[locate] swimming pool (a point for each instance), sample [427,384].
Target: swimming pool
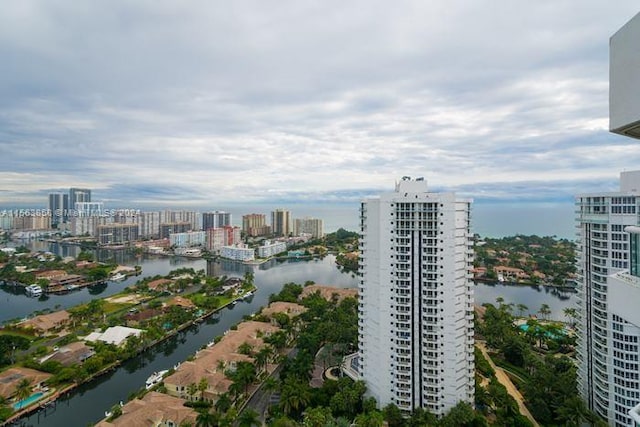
[28,401]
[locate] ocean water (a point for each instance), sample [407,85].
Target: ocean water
[487,219]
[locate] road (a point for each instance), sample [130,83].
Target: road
[504,379]
[260,400]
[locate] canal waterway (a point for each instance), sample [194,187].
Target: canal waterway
[87,403]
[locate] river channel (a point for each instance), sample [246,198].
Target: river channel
[87,404]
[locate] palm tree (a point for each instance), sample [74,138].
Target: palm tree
[295,396]
[544,311]
[572,314]
[572,412]
[262,358]
[96,307]
[248,278]
[245,348]
[207,419]
[23,390]
[203,385]
[191,390]
[521,309]
[245,374]
[223,403]
[248,418]
[236,390]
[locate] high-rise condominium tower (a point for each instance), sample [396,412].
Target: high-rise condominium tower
[58,205]
[416,298]
[608,282]
[216,219]
[608,351]
[78,195]
[281,222]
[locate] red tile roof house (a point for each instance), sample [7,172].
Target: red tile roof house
[10,379]
[159,285]
[327,292]
[291,309]
[154,409]
[47,323]
[181,302]
[212,362]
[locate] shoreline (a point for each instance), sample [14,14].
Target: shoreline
[41,404]
[529,284]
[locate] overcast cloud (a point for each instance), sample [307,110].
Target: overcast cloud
[202,102]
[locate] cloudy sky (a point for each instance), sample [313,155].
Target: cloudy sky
[203,102]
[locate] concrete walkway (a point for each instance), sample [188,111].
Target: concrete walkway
[504,379]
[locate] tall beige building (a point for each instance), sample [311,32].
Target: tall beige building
[281,222]
[313,226]
[255,225]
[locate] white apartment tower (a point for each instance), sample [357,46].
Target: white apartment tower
[416,299]
[609,279]
[607,337]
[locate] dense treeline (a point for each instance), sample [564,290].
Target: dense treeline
[546,379]
[553,258]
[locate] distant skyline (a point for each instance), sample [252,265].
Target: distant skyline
[192,104]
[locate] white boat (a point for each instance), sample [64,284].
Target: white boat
[33,290]
[248,295]
[117,277]
[155,378]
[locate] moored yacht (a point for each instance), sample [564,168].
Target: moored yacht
[33,290]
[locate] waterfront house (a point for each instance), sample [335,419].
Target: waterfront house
[291,309]
[159,285]
[181,302]
[47,323]
[71,354]
[510,274]
[327,292]
[154,409]
[211,363]
[135,317]
[10,379]
[114,335]
[50,274]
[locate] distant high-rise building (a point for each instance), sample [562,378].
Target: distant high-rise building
[85,225]
[149,224]
[84,209]
[219,237]
[192,217]
[281,222]
[31,222]
[608,334]
[255,225]
[116,234]
[416,345]
[188,239]
[312,226]
[174,227]
[215,219]
[59,207]
[78,195]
